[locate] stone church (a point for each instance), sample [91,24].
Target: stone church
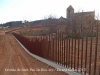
[70,14]
[79,21]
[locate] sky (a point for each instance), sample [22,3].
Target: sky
[30,10]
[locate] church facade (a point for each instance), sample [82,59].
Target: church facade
[70,14]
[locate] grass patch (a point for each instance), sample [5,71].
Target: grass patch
[76,36]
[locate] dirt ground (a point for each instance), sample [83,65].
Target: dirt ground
[15,61]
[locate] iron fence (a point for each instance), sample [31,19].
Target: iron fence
[79,51]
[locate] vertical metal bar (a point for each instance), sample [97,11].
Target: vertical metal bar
[53,54]
[49,47]
[86,52]
[41,46]
[75,54]
[62,52]
[69,53]
[82,49]
[45,47]
[91,32]
[67,49]
[78,50]
[43,43]
[56,49]
[72,52]
[37,51]
[96,48]
[60,48]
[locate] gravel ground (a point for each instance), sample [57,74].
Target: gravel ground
[15,61]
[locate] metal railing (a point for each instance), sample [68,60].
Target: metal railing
[76,50]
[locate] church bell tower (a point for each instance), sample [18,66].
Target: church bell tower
[70,11]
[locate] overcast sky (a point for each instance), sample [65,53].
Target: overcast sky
[16,10]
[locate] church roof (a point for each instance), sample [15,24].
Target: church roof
[70,7]
[84,13]
[62,18]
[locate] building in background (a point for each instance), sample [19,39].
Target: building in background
[70,14]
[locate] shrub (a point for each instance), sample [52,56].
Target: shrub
[76,36]
[92,35]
